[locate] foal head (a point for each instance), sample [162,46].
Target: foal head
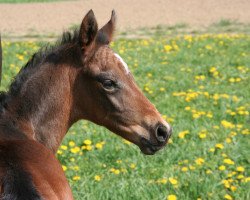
[106,93]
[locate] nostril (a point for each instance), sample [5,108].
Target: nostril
[162,133]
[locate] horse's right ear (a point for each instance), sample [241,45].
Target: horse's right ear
[88,30]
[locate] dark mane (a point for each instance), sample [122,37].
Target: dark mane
[49,53]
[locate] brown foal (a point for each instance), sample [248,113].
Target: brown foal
[79,78]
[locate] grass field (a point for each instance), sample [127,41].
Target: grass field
[200,84]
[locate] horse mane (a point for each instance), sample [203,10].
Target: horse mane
[1,56]
[48,53]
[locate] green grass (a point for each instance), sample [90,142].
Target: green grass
[201,85]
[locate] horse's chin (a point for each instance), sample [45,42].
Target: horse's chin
[148,148]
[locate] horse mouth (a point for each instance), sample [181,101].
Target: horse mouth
[148,148]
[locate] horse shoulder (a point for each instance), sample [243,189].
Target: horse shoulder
[38,170]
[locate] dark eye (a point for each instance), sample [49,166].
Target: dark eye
[109,85]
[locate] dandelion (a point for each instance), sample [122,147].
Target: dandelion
[228,140]
[227,124]
[59,152]
[199,161]
[97,178]
[219,146]
[226,183]
[76,178]
[72,143]
[184,169]
[99,145]
[200,77]
[168,48]
[241,176]
[126,142]
[64,147]
[188,108]
[172,197]
[87,142]
[182,134]
[75,150]
[228,161]
[202,135]
[173,181]
[64,168]
[222,168]
[208,47]
[162,181]
[162,89]
[233,188]
[228,197]
[132,166]
[240,169]
[88,148]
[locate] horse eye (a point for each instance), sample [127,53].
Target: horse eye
[108,84]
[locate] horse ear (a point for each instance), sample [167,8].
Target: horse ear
[88,30]
[105,34]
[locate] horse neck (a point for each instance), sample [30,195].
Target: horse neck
[42,109]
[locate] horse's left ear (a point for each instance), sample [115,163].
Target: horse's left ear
[105,34]
[88,30]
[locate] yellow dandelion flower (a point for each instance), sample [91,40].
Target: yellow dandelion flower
[191,167]
[187,108]
[76,178]
[182,134]
[173,181]
[184,169]
[75,150]
[233,188]
[168,48]
[162,89]
[247,179]
[59,152]
[72,143]
[132,166]
[228,140]
[88,148]
[99,145]
[171,197]
[240,169]
[64,147]
[245,132]
[228,197]
[76,168]
[97,178]
[226,183]
[241,176]
[222,168]
[228,161]
[208,47]
[87,142]
[64,168]
[227,124]
[202,135]
[219,146]
[162,181]
[199,161]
